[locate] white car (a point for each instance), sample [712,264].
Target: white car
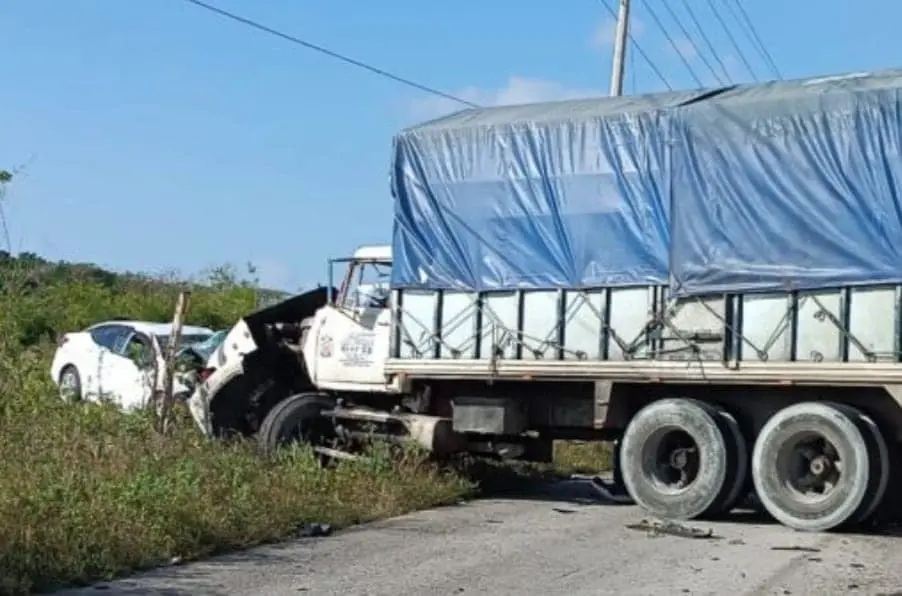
[118,360]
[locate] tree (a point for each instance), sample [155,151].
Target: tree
[5,178]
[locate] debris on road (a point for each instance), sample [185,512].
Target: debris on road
[315,530]
[801,549]
[666,528]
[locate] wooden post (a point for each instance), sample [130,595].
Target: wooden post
[178,320]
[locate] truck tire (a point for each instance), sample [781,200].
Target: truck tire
[880,466]
[680,460]
[797,450]
[296,419]
[616,469]
[740,474]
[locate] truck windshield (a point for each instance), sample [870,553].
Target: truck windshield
[369,285]
[371,295]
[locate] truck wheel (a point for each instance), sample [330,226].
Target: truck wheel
[616,469]
[297,419]
[811,466]
[680,460]
[739,474]
[880,466]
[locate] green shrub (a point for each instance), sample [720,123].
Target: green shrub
[90,493]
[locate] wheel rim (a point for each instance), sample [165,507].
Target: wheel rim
[313,431]
[671,460]
[69,386]
[809,467]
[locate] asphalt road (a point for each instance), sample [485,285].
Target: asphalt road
[562,541]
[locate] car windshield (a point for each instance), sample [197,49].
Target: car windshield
[206,348]
[184,340]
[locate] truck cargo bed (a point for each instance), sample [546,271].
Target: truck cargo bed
[836,336]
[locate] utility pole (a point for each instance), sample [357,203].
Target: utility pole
[621,35]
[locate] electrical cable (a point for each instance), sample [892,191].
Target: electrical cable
[673,43]
[688,36]
[639,49]
[732,39]
[749,27]
[332,54]
[707,40]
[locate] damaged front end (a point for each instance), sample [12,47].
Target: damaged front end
[191,362]
[258,363]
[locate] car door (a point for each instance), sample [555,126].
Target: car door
[93,362]
[130,371]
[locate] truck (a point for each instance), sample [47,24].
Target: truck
[710,279]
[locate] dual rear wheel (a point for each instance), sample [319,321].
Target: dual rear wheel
[818,466]
[682,458]
[815,466]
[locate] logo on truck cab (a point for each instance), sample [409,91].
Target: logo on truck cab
[326,346]
[357,349]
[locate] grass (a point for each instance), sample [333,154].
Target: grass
[574,457]
[89,493]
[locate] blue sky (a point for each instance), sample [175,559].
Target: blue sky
[160,137]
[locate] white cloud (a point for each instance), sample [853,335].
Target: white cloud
[522,89]
[603,37]
[604,34]
[517,90]
[685,47]
[735,68]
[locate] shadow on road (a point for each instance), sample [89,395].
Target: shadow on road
[564,496]
[529,484]
[201,577]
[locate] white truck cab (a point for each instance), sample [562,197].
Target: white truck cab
[292,370]
[329,340]
[348,342]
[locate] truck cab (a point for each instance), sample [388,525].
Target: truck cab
[331,340]
[349,338]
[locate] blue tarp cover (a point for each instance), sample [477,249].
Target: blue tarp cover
[791,185]
[565,194]
[755,188]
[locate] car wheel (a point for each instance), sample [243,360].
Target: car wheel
[70,385]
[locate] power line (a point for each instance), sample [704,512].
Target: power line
[732,39]
[707,40]
[688,36]
[673,43]
[332,54]
[632,68]
[639,49]
[751,31]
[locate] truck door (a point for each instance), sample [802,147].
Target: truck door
[353,333]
